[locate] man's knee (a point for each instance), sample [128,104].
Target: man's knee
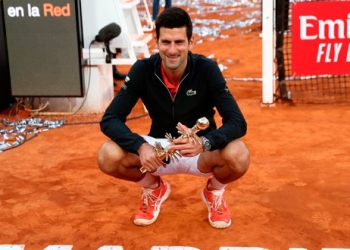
[238,155]
[108,157]
[243,153]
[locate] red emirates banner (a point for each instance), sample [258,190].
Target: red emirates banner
[320,38]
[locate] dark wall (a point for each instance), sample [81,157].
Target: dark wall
[5,83]
[44,47]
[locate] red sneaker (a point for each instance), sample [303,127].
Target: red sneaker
[152,199]
[219,216]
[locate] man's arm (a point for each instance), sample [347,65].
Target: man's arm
[234,125]
[113,121]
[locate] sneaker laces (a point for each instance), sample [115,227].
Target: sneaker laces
[218,203]
[148,198]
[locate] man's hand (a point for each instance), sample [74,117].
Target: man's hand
[187,147]
[148,158]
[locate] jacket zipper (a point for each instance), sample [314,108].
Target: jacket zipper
[172,99]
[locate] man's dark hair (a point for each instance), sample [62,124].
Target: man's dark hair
[174,17]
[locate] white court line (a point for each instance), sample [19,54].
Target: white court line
[173,248]
[106,247]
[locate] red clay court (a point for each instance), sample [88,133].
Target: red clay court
[295,194]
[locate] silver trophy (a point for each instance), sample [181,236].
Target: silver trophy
[165,153]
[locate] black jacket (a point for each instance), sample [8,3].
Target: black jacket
[202,91]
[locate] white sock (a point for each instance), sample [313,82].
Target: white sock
[149,181]
[214,184]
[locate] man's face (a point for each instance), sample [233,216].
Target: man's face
[173,47]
